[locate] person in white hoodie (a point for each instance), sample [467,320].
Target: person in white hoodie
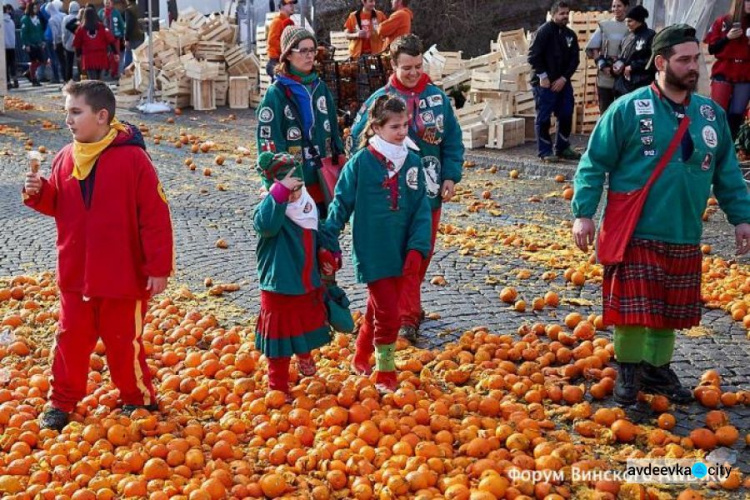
[10,46]
[69,26]
[55,26]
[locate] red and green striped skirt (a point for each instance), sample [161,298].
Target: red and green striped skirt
[658,285]
[291,324]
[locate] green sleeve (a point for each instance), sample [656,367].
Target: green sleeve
[342,206]
[120,24]
[729,185]
[269,217]
[420,228]
[335,132]
[277,140]
[452,146]
[600,158]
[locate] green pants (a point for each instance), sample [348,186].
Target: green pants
[634,344]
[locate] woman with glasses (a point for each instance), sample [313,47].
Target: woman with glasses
[298,114]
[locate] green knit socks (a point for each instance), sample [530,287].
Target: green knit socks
[385,359]
[634,344]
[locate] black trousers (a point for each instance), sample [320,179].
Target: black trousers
[10,64]
[70,59]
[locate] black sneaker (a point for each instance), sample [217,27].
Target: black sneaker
[54,418]
[663,380]
[128,410]
[628,383]
[409,333]
[550,158]
[36,83]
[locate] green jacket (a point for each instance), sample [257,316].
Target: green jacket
[381,235]
[287,254]
[627,143]
[278,130]
[118,23]
[440,145]
[31,32]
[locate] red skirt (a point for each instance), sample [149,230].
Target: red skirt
[291,324]
[658,285]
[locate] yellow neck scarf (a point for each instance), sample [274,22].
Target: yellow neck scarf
[85,154]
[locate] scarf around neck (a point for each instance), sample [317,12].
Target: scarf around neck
[394,153]
[85,154]
[411,96]
[303,212]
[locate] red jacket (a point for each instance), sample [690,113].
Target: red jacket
[94,49]
[114,228]
[732,56]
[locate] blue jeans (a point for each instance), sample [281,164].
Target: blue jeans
[561,104]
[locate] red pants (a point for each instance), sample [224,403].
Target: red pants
[381,319]
[410,304]
[278,372]
[721,93]
[119,323]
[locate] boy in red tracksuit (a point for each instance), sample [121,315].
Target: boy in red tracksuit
[114,249]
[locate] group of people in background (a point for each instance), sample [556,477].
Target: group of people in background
[51,37]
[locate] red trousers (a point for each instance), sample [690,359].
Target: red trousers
[721,93]
[119,323]
[381,318]
[410,303]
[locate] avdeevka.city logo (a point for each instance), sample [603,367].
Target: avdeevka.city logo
[643,471]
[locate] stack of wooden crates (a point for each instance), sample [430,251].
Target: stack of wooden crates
[196,60]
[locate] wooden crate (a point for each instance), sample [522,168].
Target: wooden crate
[203,95]
[239,92]
[210,51]
[524,104]
[470,114]
[199,70]
[127,101]
[506,133]
[341,44]
[513,43]
[475,136]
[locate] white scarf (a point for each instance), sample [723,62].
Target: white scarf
[395,153]
[303,212]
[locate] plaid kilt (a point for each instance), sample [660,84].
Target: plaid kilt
[658,285]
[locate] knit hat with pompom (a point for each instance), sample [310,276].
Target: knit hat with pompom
[276,166]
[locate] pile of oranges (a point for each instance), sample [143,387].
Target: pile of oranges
[461,421]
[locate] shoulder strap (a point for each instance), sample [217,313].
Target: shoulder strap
[358,17]
[669,153]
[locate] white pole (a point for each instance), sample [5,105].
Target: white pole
[150,94]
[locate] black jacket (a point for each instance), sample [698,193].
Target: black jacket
[555,52]
[636,52]
[133,31]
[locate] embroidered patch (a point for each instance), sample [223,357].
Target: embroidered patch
[267,146]
[422,104]
[327,126]
[288,112]
[569,39]
[706,165]
[435,100]
[710,137]
[265,132]
[429,135]
[293,134]
[427,117]
[649,152]
[439,123]
[644,107]
[431,166]
[412,178]
[265,115]
[647,140]
[647,125]
[707,112]
[308,208]
[322,104]
[160,190]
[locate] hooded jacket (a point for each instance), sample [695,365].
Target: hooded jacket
[68,22]
[10,31]
[113,228]
[55,23]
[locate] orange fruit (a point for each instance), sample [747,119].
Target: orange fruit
[273,485]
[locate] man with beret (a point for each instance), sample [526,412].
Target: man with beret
[554,58]
[655,287]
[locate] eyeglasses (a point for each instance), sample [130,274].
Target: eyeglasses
[305,52]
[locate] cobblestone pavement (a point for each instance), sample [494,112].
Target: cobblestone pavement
[207,208]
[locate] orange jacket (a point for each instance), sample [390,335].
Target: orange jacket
[274,34]
[399,24]
[351,26]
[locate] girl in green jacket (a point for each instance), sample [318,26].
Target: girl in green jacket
[384,186]
[32,38]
